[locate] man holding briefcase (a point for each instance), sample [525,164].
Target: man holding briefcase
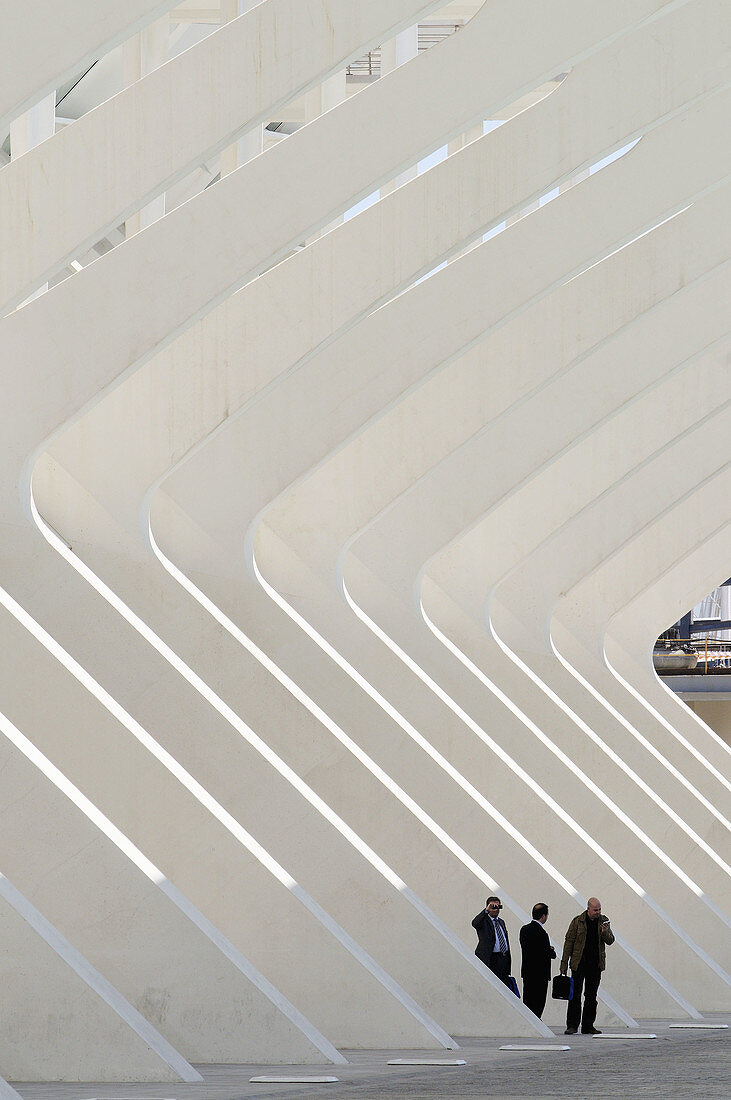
[537,953]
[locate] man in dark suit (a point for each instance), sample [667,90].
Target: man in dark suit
[535,967]
[493,945]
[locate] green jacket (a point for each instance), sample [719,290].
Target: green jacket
[573,947]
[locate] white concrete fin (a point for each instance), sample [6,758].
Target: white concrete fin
[96,981]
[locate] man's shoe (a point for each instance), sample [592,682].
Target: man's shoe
[570,1031]
[591,1031]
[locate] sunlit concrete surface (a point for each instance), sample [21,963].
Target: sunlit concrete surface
[43,46]
[327,588]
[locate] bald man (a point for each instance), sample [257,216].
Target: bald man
[584,950]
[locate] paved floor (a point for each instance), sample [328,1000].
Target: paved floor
[684,1064]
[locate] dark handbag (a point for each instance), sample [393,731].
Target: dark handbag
[563,988]
[512,984]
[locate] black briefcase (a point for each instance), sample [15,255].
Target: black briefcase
[563,988]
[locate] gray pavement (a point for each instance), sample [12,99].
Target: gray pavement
[691,1064]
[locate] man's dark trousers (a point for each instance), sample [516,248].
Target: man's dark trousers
[534,996]
[500,966]
[588,979]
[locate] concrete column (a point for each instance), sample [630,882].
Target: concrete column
[35,126]
[397,51]
[140,55]
[716,713]
[473,134]
[325,96]
[317,101]
[468,136]
[251,143]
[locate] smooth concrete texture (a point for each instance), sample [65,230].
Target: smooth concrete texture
[648,740]
[642,691]
[281,827]
[63,196]
[575,634]
[44,45]
[74,1026]
[714,713]
[377,1019]
[389,540]
[121,420]
[396,927]
[75,866]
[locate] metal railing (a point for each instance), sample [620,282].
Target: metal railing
[713,655]
[368,67]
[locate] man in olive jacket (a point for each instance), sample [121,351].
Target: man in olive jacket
[584,950]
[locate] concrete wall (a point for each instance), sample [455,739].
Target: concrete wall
[327,593]
[716,713]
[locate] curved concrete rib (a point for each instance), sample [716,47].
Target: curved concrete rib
[391,593]
[392,253]
[579,630]
[90,867]
[48,401]
[572,609]
[99,1036]
[613,746]
[42,341]
[44,45]
[62,196]
[151,340]
[675,767]
[588,386]
[508,608]
[262,421]
[627,655]
[390,543]
[354,895]
[259,416]
[410,1033]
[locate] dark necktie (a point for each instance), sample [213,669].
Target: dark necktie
[501,942]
